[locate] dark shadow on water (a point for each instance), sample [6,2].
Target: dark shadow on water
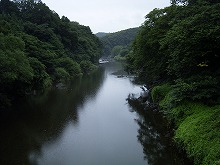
[38,120]
[155,136]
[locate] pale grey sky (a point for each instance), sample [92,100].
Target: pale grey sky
[106,15]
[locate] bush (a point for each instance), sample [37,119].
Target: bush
[198,88]
[197,124]
[159,92]
[120,58]
[198,132]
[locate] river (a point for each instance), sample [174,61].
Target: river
[87,123]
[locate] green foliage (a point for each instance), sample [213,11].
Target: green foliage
[113,41]
[197,88]
[119,58]
[16,73]
[87,67]
[197,126]
[61,75]
[38,47]
[159,92]
[14,64]
[88,46]
[199,134]
[70,66]
[180,42]
[180,45]
[41,79]
[191,43]
[101,34]
[116,50]
[148,59]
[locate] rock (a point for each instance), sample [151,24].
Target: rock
[60,86]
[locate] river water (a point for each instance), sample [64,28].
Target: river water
[87,123]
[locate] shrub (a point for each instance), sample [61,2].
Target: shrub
[199,132]
[196,88]
[197,124]
[159,92]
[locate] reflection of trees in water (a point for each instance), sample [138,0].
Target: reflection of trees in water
[154,136]
[42,119]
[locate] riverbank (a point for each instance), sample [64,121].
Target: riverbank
[88,122]
[196,125]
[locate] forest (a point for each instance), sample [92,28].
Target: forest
[177,53]
[39,48]
[117,45]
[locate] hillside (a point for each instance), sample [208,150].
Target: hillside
[39,48]
[177,53]
[114,43]
[101,34]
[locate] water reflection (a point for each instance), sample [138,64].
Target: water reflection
[88,123]
[42,119]
[155,136]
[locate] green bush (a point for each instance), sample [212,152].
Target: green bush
[159,92]
[198,88]
[197,124]
[198,132]
[120,58]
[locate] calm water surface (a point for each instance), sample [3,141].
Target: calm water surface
[87,123]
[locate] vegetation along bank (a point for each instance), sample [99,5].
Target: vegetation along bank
[39,48]
[176,52]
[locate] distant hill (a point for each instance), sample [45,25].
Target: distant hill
[101,34]
[113,43]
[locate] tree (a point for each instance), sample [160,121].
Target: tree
[70,66]
[148,57]
[192,42]
[41,79]
[116,50]
[16,73]
[38,47]
[122,38]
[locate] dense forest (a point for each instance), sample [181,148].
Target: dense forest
[118,43]
[177,54]
[38,48]
[101,34]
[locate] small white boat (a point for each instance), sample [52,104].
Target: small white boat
[101,61]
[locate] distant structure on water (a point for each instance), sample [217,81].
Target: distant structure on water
[103,61]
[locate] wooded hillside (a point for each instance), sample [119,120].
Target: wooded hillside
[177,54]
[37,47]
[117,43]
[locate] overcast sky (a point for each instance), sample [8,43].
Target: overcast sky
[106,15]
